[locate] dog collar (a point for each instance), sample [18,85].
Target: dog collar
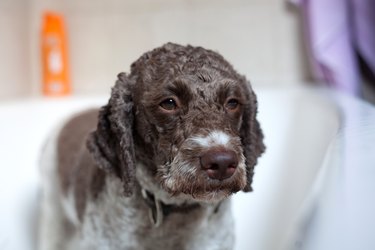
[158,210]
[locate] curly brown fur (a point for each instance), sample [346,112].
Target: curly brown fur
[202,80]
[178,108]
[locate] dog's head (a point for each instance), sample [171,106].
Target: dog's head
[189,117]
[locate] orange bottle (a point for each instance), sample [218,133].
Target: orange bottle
[56,80]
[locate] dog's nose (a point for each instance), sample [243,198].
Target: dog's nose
[219,164]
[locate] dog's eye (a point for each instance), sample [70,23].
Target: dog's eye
[232,104]
[169,104]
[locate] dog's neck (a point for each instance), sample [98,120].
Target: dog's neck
[161,203]
[159,210]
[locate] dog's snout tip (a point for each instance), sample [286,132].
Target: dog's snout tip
[219,164]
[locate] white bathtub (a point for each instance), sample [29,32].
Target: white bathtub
[314,188]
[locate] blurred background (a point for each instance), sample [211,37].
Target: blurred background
[277,44]
[270,41]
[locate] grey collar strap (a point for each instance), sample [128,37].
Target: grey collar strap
[158,210]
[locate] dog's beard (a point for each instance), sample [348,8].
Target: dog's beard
[184,177]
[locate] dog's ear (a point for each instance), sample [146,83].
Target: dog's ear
[111,144]
[251,135]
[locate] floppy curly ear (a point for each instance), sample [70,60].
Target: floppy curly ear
[251,136]
[111,144]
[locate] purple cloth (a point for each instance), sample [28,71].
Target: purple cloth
[364,30]
[336,31]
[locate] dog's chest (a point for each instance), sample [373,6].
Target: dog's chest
[124,223]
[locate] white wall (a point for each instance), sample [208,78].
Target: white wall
[14,49]
[261,38]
